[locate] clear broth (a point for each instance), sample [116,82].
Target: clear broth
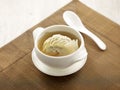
[49,34]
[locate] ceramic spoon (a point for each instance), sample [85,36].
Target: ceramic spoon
[74,21]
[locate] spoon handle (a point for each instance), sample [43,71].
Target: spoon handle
[97,40]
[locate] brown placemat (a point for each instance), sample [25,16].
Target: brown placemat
[101,71]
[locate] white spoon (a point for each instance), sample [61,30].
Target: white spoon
[74,21]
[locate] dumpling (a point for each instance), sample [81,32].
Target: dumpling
[59,45]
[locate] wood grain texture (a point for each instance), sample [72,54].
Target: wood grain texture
[101,71]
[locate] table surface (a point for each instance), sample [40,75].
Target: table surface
[101,71]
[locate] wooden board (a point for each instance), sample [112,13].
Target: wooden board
[101,71]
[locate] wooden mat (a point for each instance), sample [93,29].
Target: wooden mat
[101,71]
